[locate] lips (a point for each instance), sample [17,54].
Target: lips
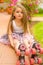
[19,16]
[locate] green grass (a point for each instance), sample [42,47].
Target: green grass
[38,15]
[37,30]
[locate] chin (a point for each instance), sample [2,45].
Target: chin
[19,18]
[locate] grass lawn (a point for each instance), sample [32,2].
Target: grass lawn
[38,15]
[37,30]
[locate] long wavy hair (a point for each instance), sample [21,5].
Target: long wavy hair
[24,19]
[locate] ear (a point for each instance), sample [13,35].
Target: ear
[13,13]
[13,16]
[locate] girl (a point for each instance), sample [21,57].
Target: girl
[18,29]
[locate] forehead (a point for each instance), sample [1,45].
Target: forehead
[18,9]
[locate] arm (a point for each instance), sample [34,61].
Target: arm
[27,44]
[28,38]
[9,34]
[13,42]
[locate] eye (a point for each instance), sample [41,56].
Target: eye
[21,12]
[17,11]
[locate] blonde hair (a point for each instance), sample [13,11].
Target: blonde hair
[24,19]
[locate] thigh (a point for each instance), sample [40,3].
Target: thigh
[7,55]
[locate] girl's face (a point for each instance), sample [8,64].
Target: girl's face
[18,13]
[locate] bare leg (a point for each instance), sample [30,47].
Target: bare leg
[7,55]
[27,59]
[36,64]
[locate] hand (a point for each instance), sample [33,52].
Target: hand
[16,43]
[25,41]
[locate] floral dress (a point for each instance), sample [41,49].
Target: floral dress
[17,33]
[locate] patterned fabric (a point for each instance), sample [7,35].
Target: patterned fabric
[4,39]
[20,36]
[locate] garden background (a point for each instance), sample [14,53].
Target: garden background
[35,16]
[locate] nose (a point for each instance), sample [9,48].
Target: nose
[19,14]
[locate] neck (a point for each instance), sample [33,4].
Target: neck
[17,20]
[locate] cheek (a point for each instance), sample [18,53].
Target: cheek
[15,14]
[22,15]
